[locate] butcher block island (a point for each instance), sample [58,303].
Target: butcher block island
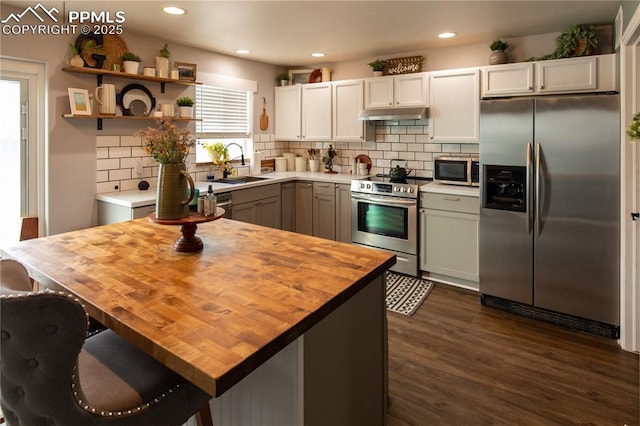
[281,328]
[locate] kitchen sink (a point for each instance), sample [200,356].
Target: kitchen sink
[240,179]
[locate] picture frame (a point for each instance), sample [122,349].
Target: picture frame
[186,71]
[299,76]
[79,101]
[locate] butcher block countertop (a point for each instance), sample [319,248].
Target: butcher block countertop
[212,316]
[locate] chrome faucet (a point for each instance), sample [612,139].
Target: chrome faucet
[241,152]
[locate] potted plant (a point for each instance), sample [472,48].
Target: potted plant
[498,54]
[378,67]
[131,62]
[283,78]
[579,40]
[219,155]
[76,59]
[185,106]
[162,62]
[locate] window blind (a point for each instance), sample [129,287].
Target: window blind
[224,113]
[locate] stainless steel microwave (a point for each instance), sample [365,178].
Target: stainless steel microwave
[457,171]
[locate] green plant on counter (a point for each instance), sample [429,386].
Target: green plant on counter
[634,128]
[282,76]
[498,45]
[219,155]
[164,52]
[129,56]
[378,65]
[185,101]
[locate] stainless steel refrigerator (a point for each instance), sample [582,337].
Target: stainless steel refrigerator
[549,217]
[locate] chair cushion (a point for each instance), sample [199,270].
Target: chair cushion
[114,375]
[14,276]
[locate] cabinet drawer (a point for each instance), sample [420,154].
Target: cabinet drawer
[323,188]
[144,211]
[256,193]
[449,202]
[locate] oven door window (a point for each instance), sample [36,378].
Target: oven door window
[389,221]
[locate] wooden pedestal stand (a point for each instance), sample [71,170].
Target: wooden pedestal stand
[188,242]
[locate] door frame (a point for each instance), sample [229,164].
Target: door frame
[630,188]
[36,74]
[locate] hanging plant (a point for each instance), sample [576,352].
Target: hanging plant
[634,128]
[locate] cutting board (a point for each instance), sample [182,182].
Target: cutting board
[264,118]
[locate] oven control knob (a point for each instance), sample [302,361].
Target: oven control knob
[410,190]
[361,185]
[368,186]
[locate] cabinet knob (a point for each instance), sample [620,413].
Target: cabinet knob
[530,87]
[541,87]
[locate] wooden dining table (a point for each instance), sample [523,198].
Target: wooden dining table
[215,315]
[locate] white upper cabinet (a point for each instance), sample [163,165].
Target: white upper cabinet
[303,112]
[378,92]
[573,75]
[410,90]
[509,79]
[578,74]
[348,100]
[288,123]
[454,105]
[316,112]
[396,91]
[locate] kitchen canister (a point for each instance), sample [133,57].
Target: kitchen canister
[281,164]
[301,164]
[291,160]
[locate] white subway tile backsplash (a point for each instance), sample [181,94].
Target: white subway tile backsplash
[130,141]
[108,164]
[107,141]
[102,153]
[119,174]
[102,176]
[119,152]
[102,187]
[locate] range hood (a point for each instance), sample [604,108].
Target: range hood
[393,114]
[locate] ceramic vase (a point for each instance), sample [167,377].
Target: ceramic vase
[175,191]
[284,82]
[162,67]
[77,61]
[377,73]
[498,57]
[185,111]
[131,67]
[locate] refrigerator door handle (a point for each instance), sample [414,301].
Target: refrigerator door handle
[537,193]
[528,189]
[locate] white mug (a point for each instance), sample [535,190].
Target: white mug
[108,99]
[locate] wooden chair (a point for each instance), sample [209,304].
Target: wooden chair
[52,373]
[28,228]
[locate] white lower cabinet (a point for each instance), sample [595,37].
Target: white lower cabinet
[449,238]
[112,213]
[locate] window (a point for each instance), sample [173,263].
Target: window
[225,115]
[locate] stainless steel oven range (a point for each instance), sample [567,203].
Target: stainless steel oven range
[384,215]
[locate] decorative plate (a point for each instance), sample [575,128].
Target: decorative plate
[136,100]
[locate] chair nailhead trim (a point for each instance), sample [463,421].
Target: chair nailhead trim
[74,390]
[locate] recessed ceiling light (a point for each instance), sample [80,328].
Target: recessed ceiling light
[243,51]
[446,35]
[172,10]
[317,55]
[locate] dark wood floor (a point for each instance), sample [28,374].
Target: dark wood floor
[456,362]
